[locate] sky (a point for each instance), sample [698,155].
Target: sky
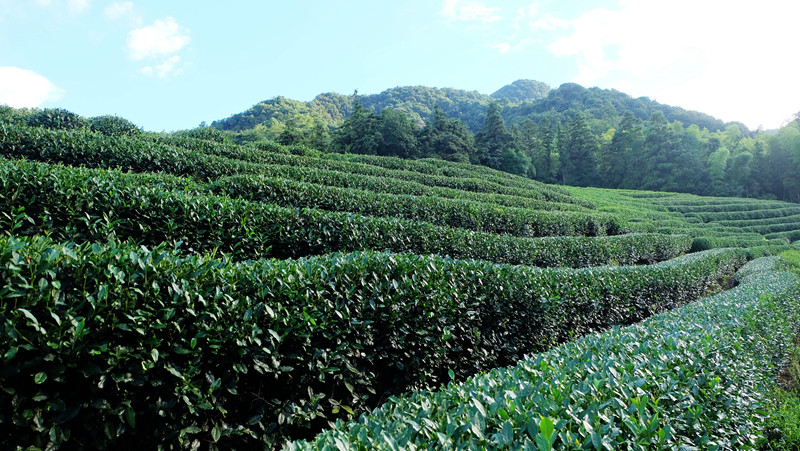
[170,65]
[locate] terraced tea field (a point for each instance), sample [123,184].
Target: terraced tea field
[159,290]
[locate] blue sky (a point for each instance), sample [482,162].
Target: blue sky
[168,65]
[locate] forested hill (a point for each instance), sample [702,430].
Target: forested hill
[330,109]
[520,100]
[603,108]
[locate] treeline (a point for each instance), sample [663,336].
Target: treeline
[656,154]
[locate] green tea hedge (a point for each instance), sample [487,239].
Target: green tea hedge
[138,154]
[121,345]
[85,204]
[692,378]
[443,211]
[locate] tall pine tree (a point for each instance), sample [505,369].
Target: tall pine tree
[493,141]
[448,139]
[617,155]
[360,133]
[578,164]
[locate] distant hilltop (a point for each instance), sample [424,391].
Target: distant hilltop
[520,100]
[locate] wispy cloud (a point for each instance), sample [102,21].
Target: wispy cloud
[503,47]
[22,88]
[75,6]
[169,68]
[159,43]
[470,11]
[123,11]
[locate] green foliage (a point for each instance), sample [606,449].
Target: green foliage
[494,140]
[577,154]
[360,133]
[111,344]
[399,137]
[208,160]
[188,337]
[77,203]
[447,139]
[522,91]
[204,133]
[113,126]
[55,119]
[14,116]
[792,259]
[782,431]
[691,377]
[701,244]
[451,212]
[631,143]
[604,105]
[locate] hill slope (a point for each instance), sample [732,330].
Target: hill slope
[182,291]
[519,100]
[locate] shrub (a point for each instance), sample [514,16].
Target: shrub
[56,119]
[691,378]
[206,133]
[700,244]
[88,204]
[113,126]
[111,345]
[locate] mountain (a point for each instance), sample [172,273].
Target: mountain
[520,100]
[604,107]
[417,102]
[523,91]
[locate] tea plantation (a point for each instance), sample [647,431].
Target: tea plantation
[161,291]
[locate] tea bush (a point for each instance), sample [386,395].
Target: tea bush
[691,378]
[109,345]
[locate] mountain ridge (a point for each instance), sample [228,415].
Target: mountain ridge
[519,100]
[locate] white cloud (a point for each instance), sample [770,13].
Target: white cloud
[21,88]
[728,58]
[78,6]
[169,68]
[503,47]
[470,11]
[75,6]
[162,38]
[122,11]
[159,44]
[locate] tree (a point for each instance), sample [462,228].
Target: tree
[717,167]
[666,165]
[545,160]
[448,139]
[527,142]
[515,162]
[318,138]
[359,133]
[493,140]
[619,153]
[738,172]
[399,136]
[291,134]
[577,155]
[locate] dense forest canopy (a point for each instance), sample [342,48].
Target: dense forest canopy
[520,100]
[569,135]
